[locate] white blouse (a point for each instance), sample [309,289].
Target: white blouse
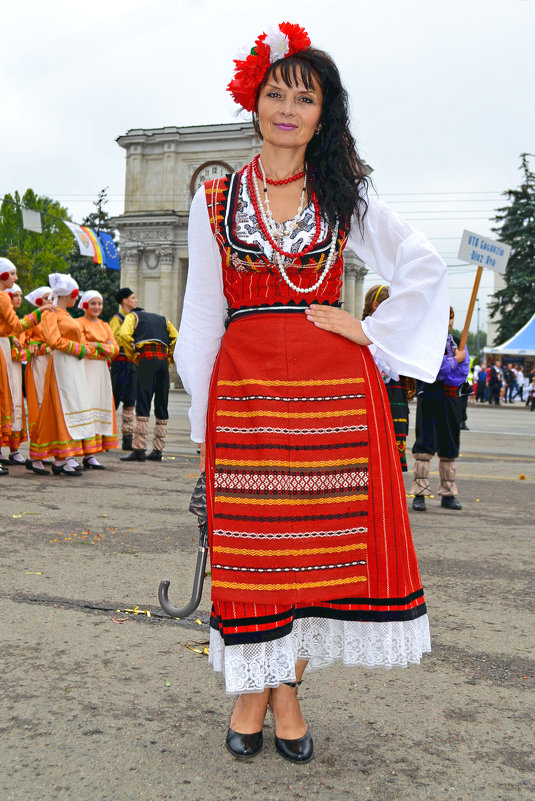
[408,330]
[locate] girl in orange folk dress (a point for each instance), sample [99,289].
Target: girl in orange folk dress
[98,335]
[12,431]
[66,426]
[38,356]
[19,355]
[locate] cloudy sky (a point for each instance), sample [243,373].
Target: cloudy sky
[441,96]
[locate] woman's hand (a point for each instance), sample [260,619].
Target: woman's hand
[202,457]
[460,356]
[331,318]
[17,343]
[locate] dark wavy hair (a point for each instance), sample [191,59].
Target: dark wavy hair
[337,174]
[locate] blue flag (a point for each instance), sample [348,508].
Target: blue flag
[109,251]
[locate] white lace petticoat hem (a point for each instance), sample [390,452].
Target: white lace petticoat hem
[323,641]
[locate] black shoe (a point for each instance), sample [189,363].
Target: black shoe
[134,456]
[155,456]
[89,466]
[300,750]
[464,427]
[39,470]
[127,442]
[418,503]
[450,502]
[59,470]
[19,463]
[3,470]
[244,746]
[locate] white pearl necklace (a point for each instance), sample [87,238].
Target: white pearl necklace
[278,231]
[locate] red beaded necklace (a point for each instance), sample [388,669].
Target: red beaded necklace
[263,228]
[272,182]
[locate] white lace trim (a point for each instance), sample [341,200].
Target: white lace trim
[323,641]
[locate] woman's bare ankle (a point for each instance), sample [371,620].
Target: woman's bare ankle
[249,712]
[289,721]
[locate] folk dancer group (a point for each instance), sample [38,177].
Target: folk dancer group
[70,399]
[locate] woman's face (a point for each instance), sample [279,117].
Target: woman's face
[94,308]
[16,300]
[450,325]
[288,116]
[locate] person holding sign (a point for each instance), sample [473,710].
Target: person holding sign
[438,425]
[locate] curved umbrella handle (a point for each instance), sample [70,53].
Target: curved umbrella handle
[196,594]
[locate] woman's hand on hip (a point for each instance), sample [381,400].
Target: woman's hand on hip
[338,321]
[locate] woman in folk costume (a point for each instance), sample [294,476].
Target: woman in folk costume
[99,336]
[18,356]
[11,402]
[37,356]
[311,552]
[400,389]
[65,428]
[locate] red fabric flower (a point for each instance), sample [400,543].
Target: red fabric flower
[85,305]
[75,293]
[250,72]
[38,301]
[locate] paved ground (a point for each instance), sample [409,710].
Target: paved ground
[95,709]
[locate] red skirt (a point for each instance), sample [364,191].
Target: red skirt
[307,509]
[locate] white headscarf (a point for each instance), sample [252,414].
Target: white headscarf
[14,288]
[87,296]
[36,297]
[62,284]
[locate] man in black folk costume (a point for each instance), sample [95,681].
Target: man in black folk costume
[149,340]
[123,371]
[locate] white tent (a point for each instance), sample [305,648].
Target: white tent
[521,344]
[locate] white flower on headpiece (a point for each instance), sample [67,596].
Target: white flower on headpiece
[279,45]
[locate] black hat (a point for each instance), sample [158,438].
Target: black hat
[123,293]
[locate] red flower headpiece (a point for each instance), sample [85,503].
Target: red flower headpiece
[75,293]
[269,48]
[38,301]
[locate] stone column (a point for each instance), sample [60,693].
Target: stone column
[130,257]
[168,299]
[349,284]
[360,274]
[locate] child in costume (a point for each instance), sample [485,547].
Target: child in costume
[99,336]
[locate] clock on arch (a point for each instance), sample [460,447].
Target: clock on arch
[207,172]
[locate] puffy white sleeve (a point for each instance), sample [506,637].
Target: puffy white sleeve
[203,315]
[409,329]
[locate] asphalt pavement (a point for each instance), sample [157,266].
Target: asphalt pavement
[102,701]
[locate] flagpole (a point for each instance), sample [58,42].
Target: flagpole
[469,313]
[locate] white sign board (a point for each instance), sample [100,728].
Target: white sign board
[484,252]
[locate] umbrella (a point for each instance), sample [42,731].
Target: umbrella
[197,507]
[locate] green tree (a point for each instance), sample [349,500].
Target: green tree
[93,276]
[475,342]
[35,255]
[514,305]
